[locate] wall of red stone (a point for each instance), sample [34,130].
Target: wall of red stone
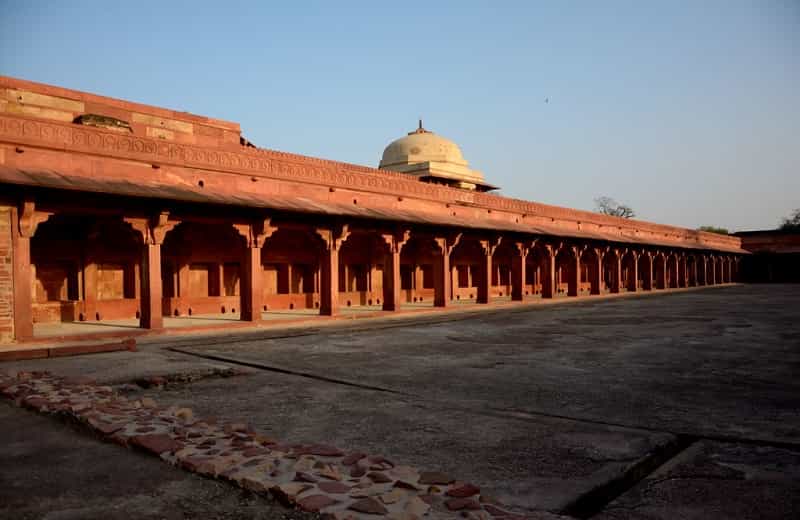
[6,279]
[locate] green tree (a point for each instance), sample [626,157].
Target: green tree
[792,223]
[609,206]
[712,229]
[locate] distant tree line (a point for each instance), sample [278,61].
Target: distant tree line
[609,206]
[792,222]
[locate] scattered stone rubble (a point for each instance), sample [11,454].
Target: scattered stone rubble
[312,477]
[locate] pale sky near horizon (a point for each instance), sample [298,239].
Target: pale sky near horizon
[687,111]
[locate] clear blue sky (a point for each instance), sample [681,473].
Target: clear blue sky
[688,111]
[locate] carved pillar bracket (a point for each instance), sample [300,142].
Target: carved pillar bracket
[256,232]
[333,237]
[395,240]
[30,218]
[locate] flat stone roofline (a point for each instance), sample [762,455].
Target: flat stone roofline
[199,153]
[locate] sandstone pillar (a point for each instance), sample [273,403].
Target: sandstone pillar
[661,271]
[702,270]
[153,231]
[442,276]
[332,239]
[633,272]
[548,271]
[574,272]
[518,266]
[255,234]
[647,274]
[90,288]
[391,269]
[24,221]
[712,270]
[151,290]
[615,284]
[485,281]
[596,271]
[673,281]
[23,299]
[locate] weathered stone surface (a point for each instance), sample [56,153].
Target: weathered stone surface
[417,507]
[369,506]
[314,503]
[378,478]
[302,476]
[393,496]
[334,488]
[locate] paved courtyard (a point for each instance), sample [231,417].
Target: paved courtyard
[682,405]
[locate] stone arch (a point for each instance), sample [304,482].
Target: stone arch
[361,264]
[202,269]
[418,261]
[660,269]
[85,268]
[630,270]
[691,270]
[502,261]
[591,269]
[535,265]
[672,270]
[645,270]
[465,268]
[291,262]
[568,270]
[611,270]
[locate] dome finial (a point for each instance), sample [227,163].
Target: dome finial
[420,129]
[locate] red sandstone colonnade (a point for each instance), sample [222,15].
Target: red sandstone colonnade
[107,264]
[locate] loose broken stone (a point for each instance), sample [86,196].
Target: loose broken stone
[368,506]
[463,491]
[314,503]
[378,478]
[287,493]
[335,488]
[352,458]
[302,476]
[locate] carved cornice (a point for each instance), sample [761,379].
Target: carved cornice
[298,168]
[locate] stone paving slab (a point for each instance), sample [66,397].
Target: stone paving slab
[312,477]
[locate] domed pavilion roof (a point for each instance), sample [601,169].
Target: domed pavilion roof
[432,158]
